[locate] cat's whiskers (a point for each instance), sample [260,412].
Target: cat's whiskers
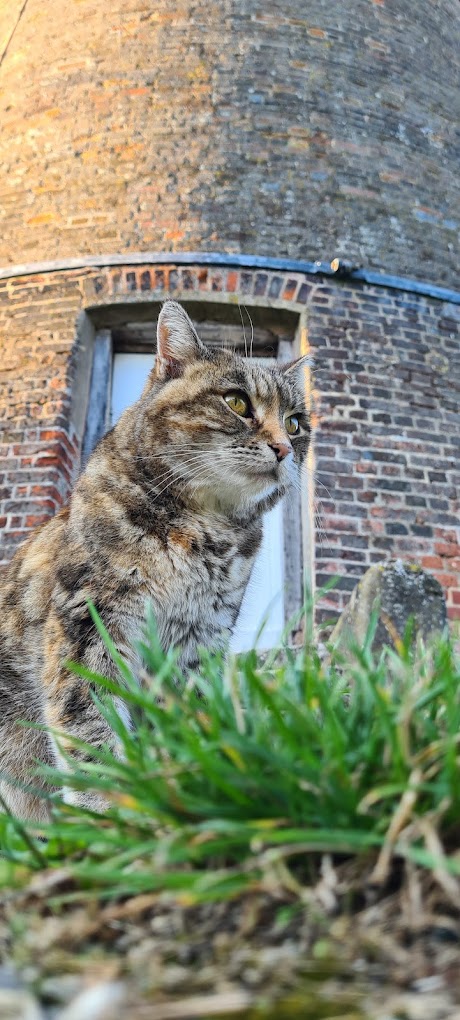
[172,468]
[193,472]
[194,458]
[174,476]
[244,331]
[320,532]
[314,504]
[161,456]
[196,478]
[323,486]
[252,332]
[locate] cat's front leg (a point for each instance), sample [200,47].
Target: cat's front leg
[71,712]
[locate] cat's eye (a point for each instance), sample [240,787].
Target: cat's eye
[292,424]
[239,403]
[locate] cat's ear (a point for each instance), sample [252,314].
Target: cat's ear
[297,369]
[177,342]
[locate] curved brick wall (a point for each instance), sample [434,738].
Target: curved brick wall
[307,130]
[387,383]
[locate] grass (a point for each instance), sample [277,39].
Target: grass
[243,775]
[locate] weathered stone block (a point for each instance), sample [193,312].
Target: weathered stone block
[400,592]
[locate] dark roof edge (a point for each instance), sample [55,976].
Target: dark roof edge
[240,261]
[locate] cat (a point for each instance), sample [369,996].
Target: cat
[169,509]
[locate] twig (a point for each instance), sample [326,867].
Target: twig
[400,818]
[203,1005]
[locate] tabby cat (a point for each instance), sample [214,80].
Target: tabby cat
[169,509]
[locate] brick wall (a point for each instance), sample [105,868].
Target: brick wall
[387,393]
[39,451]
[307,130]
[388,447]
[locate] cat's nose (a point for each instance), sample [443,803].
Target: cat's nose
[281,449]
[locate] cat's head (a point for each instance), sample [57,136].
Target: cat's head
[230,430]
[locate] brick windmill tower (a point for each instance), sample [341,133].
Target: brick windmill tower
[224,154]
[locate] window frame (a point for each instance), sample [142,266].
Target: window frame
[298,515]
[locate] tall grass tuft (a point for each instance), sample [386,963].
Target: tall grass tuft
[243,774]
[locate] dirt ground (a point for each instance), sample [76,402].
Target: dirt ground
[347,949]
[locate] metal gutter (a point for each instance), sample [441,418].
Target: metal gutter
[240,261]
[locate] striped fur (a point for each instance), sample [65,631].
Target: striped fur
[169,509]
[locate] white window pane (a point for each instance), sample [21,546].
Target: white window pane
[263,600]
[129,374]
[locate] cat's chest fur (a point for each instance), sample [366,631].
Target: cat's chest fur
[205,570]
[194,574]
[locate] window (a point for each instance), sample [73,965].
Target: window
[123,357]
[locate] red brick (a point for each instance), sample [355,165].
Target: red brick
[33,520]
[290,290]
[232,280]
[46,435]
[447,580]
[446,549]
[431,562]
